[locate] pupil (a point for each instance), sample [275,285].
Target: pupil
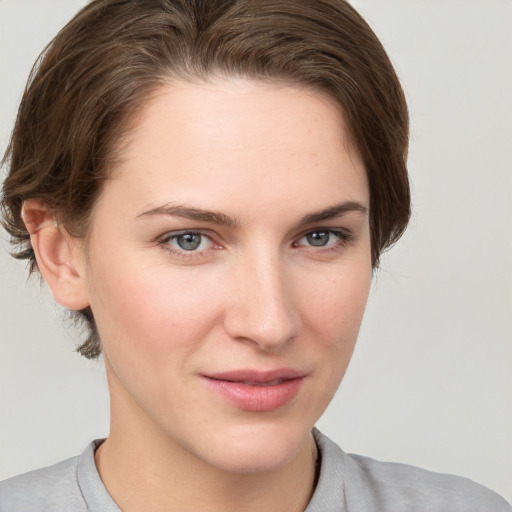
[318,238]
[189,241]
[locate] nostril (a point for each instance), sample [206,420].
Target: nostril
[269,332]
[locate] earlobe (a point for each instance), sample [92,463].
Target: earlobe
[59,256]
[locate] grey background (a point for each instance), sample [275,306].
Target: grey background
[431,379]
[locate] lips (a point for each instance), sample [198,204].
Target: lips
[257,391]
[270,383]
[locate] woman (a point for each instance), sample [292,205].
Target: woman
[209,185]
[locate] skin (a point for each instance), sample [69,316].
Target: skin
[255,294]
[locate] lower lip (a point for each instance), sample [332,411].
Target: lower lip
[257,398]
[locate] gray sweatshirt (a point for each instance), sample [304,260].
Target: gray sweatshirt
[347,483]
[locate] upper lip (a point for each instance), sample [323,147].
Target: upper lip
[249,375]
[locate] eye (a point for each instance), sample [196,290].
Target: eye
[328,238]
[318,238]
[187,241]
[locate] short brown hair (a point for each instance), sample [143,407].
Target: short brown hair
[104,64]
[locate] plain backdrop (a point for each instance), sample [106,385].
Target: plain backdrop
[431,380]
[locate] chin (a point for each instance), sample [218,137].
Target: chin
[256,450]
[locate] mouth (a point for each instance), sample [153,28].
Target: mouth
[257,391]
[254,383]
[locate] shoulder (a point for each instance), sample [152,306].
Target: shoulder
[370,485]
[52,488]
[406,487]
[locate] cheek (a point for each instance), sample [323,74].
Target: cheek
[336,306]
[333,318]
[152,325]
[152,309]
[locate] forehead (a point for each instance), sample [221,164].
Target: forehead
[241,140]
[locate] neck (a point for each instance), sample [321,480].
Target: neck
[143,469]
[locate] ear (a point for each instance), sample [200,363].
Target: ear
[59,256]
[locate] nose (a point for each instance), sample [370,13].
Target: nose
[262,308]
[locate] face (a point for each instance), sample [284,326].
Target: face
[228,267]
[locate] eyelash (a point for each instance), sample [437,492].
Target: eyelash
[165,243]
[343,238]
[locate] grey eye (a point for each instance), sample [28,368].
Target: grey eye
[189,241]
[318,238]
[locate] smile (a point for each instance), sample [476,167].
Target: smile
[256,391]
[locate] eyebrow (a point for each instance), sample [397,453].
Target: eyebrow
[193,214]
[212,217]
[337,210]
